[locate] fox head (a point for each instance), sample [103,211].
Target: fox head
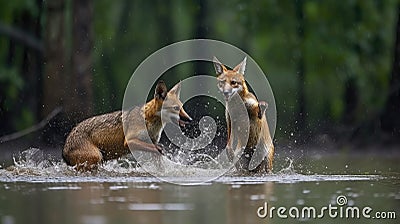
[172,108]
[231,81]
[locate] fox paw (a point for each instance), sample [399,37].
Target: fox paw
[262,107]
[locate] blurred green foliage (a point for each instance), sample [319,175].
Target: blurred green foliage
[343,40]
[12,82]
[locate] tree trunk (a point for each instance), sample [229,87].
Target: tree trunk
[351,96]
[72,91]
[350,101]
[32,64]
[54,81]
[390,118]
[301,113]
[80,103]
[6,113]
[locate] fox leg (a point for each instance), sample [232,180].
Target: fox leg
[261,168]
[229,149]
[85,157]
[141,145]
[229,143]
[270,160]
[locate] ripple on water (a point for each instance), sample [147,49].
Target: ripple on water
[64,188]
[161,206]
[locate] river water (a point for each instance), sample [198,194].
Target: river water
[307,187]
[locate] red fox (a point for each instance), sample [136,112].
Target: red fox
[258,153]
[102,137]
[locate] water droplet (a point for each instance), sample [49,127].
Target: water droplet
[257,197]
[300,202]
[153,187]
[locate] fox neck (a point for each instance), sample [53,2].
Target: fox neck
[152,110]
[154,125]
[244,92]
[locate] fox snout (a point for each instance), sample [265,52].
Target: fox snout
[184,118]
[227,95]
[225,89]
[228,91]
[178,116]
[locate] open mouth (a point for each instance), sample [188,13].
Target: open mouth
[184,118]
[182,121]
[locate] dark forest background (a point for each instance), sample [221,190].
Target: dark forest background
[334,67]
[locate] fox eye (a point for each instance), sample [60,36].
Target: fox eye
[177,108]
[233,82]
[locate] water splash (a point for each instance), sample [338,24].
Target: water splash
[289,169]
[33,162]
[33,165]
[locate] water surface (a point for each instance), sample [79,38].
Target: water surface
[40,190]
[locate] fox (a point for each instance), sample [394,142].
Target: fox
[101,138]
[258,153]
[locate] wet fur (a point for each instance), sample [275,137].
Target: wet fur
[102,138]
[259,136]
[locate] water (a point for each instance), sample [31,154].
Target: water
[36,189]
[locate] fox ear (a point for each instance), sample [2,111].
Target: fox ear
[219,67]
[176,89]
[241,67]
[161,90]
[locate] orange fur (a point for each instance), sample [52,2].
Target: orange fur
[229,83]
[102,137]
